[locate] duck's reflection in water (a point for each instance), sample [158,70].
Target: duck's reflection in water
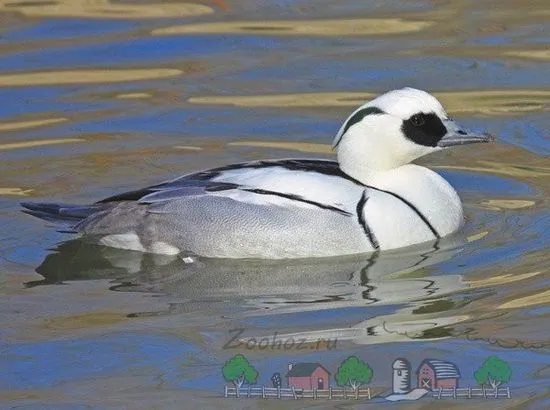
[418,302]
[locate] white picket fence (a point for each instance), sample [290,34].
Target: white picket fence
[468,393]
[291,392]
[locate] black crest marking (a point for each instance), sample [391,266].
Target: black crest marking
[358,116]
[424,129]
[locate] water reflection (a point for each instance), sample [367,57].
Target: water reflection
[38,143]
[400,281]
[104,9]
[85,76]
[19,125]
[14,191]
[534,54]
[487,102]
[336,27]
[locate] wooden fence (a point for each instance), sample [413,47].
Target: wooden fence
[468,393]
[291,392]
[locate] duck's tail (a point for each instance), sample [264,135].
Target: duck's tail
[61,213]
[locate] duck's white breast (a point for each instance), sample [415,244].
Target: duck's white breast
[431,195]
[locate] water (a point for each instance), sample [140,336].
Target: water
[103,97]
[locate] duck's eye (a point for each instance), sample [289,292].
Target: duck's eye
[417,120]
[424,129]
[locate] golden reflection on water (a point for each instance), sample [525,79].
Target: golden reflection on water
[103,9]
[477,236]
[502,168]
[38,143]
[526,301]
[333,27]
[501,204]
[188,148]
[326,99]
[15,191]
[533,54]
[309,147]
[489,102]
[483,52]
[501,279]
[86,76]
[19,125]
[133,96]
[83,321]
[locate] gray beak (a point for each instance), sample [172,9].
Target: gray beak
[457,135]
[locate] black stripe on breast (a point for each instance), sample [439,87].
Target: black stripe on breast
[363,222]
[409,204]
[414,208]
[297,198]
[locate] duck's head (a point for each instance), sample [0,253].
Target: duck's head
[394,129]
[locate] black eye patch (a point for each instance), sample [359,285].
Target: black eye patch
[424,129]
[358,116]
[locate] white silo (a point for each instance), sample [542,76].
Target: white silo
[401,376]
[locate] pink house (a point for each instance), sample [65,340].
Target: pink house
[307,376]
[434,374]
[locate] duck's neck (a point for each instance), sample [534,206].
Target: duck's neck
[361,173]
[365,174]
[409,179]
[366,161]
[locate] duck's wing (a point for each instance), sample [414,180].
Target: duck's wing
[262,209]
[286,182]
[317,182]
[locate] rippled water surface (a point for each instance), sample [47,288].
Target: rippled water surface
[103,96]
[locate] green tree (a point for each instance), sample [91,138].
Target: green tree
[493,371]
[238,370]
[354,373]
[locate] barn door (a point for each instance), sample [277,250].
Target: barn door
[426,383]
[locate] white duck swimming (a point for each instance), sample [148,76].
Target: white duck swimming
[372,199]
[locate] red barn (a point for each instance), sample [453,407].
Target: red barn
[307,376]
[434,374]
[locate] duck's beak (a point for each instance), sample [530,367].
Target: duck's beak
[457,135]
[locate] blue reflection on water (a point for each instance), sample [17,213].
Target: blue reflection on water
[67,28]
[45,364]
[141,50]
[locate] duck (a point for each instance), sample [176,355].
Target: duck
[371,199]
